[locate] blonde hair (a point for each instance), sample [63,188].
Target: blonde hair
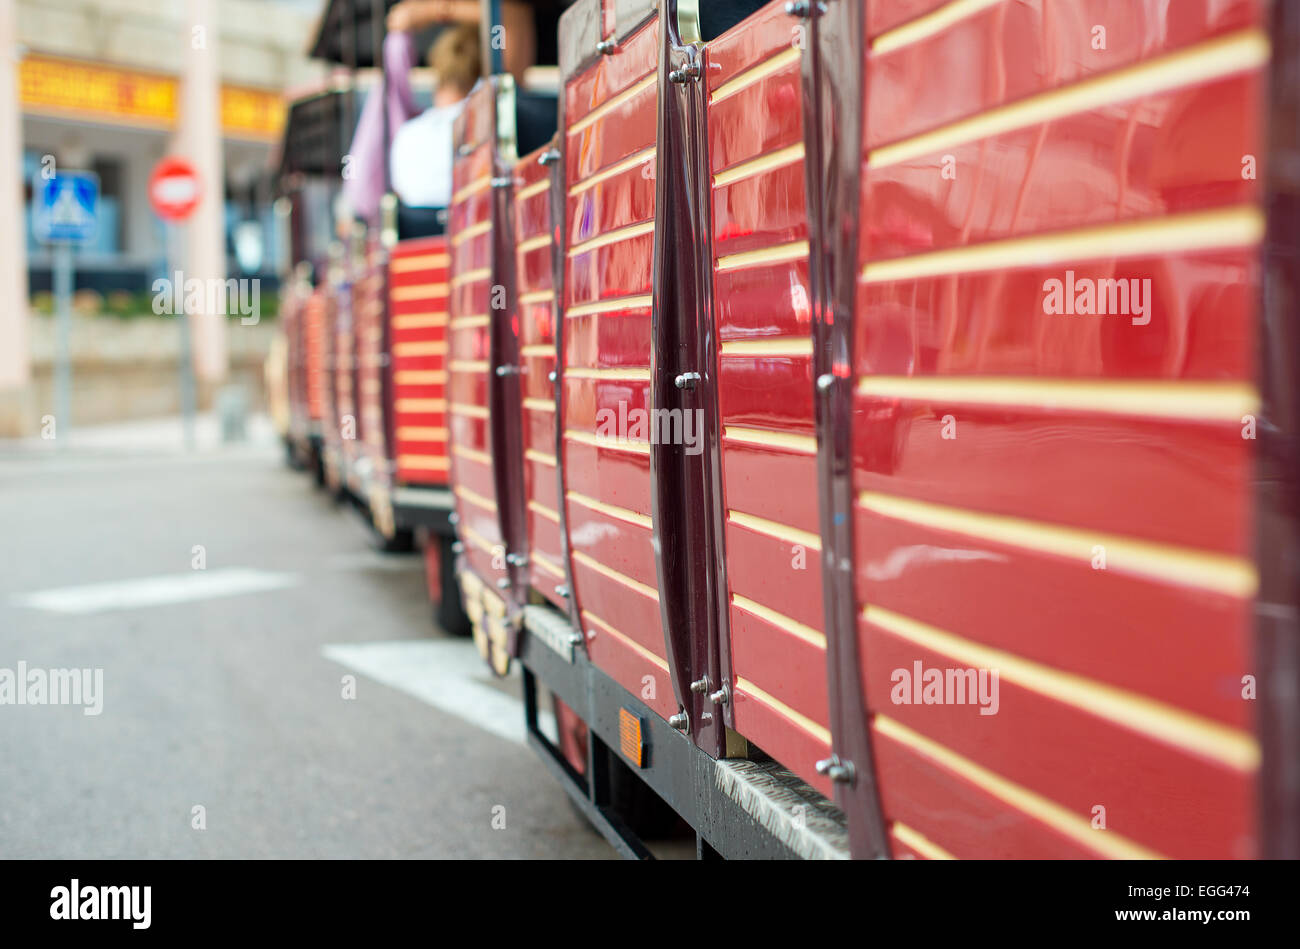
[456,57]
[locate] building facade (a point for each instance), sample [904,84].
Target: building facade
[112,86]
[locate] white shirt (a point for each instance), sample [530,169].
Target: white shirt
[421,158]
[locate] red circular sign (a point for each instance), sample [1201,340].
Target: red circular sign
[174,189]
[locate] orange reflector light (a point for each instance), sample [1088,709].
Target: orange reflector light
[629,737]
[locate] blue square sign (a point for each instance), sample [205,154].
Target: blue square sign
[66,207]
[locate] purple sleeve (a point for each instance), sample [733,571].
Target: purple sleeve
[363,170]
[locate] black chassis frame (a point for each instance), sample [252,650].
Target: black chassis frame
[675,768]
[437,518]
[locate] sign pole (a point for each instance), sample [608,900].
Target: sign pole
[176,236]
[65,212]
[63,276]
[174,194]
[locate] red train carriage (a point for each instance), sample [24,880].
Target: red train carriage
[1092,493]
[378,379]
[310,156]
[341,425]
[419,289]
[483,369]
[913,445]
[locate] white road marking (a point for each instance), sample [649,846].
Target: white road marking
[448,674]
[155,591]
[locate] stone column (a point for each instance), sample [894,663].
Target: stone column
[198,138]
[16,398]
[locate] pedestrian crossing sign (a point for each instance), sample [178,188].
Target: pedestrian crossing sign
[66,207]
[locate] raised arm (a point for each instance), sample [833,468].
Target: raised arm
[520,42]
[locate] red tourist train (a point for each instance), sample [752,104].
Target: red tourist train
[871,421]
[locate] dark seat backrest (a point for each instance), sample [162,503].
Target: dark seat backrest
[718,16]
[536,117]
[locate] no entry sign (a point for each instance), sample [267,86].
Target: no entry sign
[174,189]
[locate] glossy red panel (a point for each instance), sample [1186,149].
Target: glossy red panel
[749,43]
[961,817]
[469,174]
[612,339]
[475,207]
[539,433]
[629,610]
[647,680]
[900,850]
[612,475]
[775,616]
[622,268]
[637,56]
[543,484]
[780,737]
[474,125]
[532,213]
[537,324]
[759,118]
[783,665]
[344,397]
[757,481]
[760,211]
[314,317]
[886,16]
[478,515]
[624,127]
[1194,322]
[534,270]
[768,392]
[543,530]
[536,331]
[473,253]
[467,388]
[468,343]
[1072,469]
[1010,185]
[593,344]
[1078,760]
[472,470]
[418,346]
[626,197]
[1019,48]
[782,575]
[534,381]
[471,297]
[468,432]
[615,542]
[545,575]
[1182,646]
[616,408]
[483,562]
[472,473]
[763,301]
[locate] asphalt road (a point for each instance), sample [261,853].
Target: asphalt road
[223,688]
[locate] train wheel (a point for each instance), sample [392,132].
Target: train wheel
[402,541]
[444,592]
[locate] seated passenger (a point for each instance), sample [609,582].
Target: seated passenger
[422,148]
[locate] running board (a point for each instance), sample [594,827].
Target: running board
[741,809]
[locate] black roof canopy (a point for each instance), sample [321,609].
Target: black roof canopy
[315,136]
[347,32]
